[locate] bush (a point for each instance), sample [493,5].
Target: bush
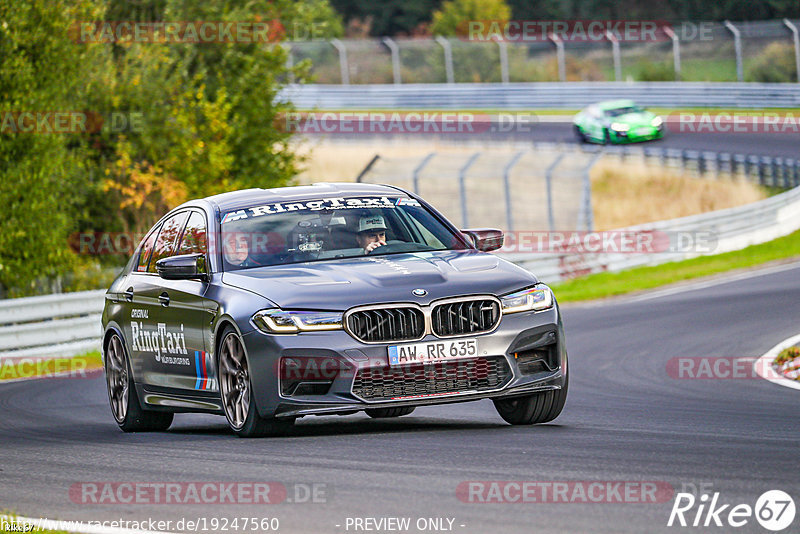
[649,71]
[787,355]
[775,64]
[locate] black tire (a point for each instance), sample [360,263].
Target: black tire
[606,137]
[579,134]
[128,414]
[252,425]
[534,409]
[380,413]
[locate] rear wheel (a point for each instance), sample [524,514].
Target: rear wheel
[540,407]
[379,413]
[579,134]
[122,397]
[236,391]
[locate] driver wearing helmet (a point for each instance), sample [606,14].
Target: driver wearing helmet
[371,232]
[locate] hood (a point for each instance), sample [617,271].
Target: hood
[635,119]
[344,283]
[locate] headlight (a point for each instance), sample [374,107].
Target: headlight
[619,127]
[532,299]
[657,122]
[277,321]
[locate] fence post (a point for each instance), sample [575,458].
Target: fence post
[418,169]
[344,69]
[796,39]
[585,215]
[737,43]
[676,51]
[615,51]
[462,176]
[503,59]
[560,56]
[448,58]
[366,169]
[507,185]
[395,50]
[289,61]
[548,179]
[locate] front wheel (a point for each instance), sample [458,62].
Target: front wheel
[379,413]
[122,397]
[236,391]
[538,408]
[579,134]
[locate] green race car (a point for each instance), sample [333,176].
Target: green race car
[617,121]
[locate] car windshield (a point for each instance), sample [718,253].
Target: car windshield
[616,112]
[280,233]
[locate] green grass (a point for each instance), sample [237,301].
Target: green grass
[75,366]
[603,285]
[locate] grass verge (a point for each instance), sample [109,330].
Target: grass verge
[74,367]
[601,285]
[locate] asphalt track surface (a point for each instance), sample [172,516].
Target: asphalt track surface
[626,419]
[762,144]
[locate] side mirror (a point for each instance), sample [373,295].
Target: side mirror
[185,267]
[486,239]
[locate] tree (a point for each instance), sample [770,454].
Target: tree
[197,119]
[454,16]
[41,71]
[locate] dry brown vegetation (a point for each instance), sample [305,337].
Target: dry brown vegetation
[623,193]
[629,193]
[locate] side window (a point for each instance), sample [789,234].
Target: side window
[428,237]
[194,236]
[167,239]
[145,250]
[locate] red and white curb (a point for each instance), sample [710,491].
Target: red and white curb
[763,365]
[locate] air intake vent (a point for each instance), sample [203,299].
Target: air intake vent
[441,378]
[465,317]
[388,324]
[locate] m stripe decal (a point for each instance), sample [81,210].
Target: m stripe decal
[200,370]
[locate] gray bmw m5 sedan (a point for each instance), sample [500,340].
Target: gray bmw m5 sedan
[266,305]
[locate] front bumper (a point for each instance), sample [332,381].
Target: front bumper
[528,346]
[637,134]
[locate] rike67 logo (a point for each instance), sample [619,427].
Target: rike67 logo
[774,510]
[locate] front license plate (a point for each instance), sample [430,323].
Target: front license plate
[434,351]
[643,131]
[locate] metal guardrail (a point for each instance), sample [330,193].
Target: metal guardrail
[769,171]
[568,95]
[52,325]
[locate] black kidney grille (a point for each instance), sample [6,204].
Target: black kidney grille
[465,317]
[476,374]
[388,324]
